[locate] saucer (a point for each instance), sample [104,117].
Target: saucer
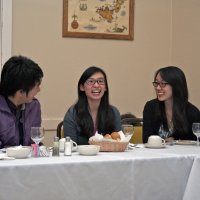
[154,147]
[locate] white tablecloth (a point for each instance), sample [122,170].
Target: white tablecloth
[193,184]
[140,174]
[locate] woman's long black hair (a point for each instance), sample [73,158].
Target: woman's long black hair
[105,116]
[176,78]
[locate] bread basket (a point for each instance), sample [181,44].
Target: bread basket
[108,146]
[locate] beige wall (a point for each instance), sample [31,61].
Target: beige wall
[166,33]
[186,43]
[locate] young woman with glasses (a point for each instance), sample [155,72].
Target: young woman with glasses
[170,115]
[92,112]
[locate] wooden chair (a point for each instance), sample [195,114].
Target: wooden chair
[134,121]
[137,136]
[60,132]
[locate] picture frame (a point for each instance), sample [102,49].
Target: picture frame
[100,19]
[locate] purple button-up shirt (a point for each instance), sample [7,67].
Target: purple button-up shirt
[9,131]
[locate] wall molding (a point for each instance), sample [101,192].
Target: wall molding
[50,124]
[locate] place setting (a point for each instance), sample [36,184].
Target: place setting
[23,152]
[15,152]
[185,142]
[196,132]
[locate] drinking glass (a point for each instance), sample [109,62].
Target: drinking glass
[196,130]
[37,134]
[128,131]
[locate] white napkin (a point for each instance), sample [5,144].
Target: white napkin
[44,151]
[122,136]
[96,137]
[3,156]
[99,137]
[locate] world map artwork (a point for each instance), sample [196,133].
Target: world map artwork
[99,16]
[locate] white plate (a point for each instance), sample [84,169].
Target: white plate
[185,142]
[154,147]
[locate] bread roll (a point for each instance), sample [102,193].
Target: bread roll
[107,136]
[115,136]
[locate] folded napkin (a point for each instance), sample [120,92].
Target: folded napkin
[96,137]
[44,151]
[3,156]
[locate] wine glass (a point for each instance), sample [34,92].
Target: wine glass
[196,130]
[128,131]
[37,134]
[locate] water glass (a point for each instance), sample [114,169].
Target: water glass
[128,131]
[196,130]
[37,134]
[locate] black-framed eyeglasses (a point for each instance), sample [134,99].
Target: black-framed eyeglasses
[161,84]
[100,81]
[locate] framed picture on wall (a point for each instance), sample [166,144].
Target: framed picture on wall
[103,19]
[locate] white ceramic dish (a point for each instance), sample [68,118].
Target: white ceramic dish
[18,152]
[154,147]
[88,150]
[185,142]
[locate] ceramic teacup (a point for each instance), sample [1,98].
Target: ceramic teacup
[62,144]
[155,140]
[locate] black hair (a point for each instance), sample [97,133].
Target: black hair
[19,73]
[105,116]
[175,77]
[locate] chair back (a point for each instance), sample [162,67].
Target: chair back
[137,136]
[60,132]
[134,121]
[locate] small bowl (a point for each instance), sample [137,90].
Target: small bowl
[88,150]
[18,152]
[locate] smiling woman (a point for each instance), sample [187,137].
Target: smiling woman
[92,112]
[170,115]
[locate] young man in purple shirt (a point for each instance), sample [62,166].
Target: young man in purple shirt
[19,110]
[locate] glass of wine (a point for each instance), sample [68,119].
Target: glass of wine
[196,131]
[37,134]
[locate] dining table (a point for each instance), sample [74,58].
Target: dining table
[139,173]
